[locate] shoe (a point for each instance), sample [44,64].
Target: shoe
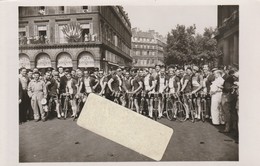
[62,114]
[197,120]
[43,119]
[58,116]
[37,120]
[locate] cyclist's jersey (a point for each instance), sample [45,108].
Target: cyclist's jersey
[87,84]
[148,82]
[80,83]
[196,81]
[117,83]
[106,79]
[71,86]
[53,87]
[188,87]
[136,82]
[161,83]
[173,84]
[127,83]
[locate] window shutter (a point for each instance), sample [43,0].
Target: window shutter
[27,31]
[91,28]
[35,30]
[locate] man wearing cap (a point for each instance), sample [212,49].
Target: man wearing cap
[115,84]
[71,88]
[161,84]
[149,88]
[37,91]
[127,85]
[216,93]
[208,78]
[187,88]
[136,89]
[197,83]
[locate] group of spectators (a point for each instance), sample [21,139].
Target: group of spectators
[219,84]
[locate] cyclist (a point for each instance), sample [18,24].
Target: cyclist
[136,89]
[127,85]
[197,82]
[115,85]
[71,89]
[208,79]
[186,89]
[161,84]
[149,87]
[52,86]
[174,85]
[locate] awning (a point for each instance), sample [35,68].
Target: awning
[86,60]
[111,63]
[43,61]
[24,61]
[64,60]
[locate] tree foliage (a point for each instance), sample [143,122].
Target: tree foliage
[186,47]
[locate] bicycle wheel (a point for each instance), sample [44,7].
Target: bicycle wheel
[192,111]
[180,113]
[169,109]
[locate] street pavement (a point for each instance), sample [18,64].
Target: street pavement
[64,141]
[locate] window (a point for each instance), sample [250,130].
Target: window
[85,9]
[144,53]
[42,10]
[42,33]
[85,32]
[137,52]
[61,9]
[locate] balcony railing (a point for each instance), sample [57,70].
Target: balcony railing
[23,40]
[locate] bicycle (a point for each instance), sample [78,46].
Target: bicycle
[180,112]
[156,105]
[203,106]
[66,105]
[79,102]
[191,107]
[52,105]
[142,102]
[169,106]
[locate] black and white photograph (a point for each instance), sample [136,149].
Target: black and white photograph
[152,82]
[173,65]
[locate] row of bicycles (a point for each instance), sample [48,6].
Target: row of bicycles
[175,106]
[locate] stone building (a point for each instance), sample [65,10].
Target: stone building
[228,34]
[147,48]
[74,37]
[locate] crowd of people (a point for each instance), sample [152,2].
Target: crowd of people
[37,90]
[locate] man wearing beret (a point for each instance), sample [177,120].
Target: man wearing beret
[37,91]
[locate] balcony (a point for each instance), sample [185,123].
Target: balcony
[44,42]
[228,23]
[116,48]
